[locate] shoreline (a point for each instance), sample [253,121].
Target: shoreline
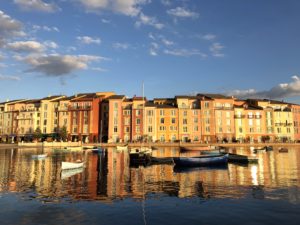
[186,145]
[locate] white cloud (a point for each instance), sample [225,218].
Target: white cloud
[9,27]
[185,52]
[147,20]
[284,90]
[99,69]
[166,2]
[125,7]
[118,45]
[44,28]
[182,13]
[105,21]
[4,77]
[154,49]
[50,44]
[55,65]
[167,42]
[36,5]
[209,37]
[89,40]
[25,46]
[216,49]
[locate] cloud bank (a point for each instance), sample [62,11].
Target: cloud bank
[284,90]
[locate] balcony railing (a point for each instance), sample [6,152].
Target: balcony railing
[283,124]
[80,107]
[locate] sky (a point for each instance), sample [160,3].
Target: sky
[175,47]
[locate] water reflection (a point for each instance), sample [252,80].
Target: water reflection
[107,176]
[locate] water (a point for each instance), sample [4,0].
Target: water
[109,191]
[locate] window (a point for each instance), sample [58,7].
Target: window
[240,129]
[206,105]
[184,121]
[173,120]
[251,130]
[115,129]
[161,112]
[207,129]
[150,120]
[195,112]
[45,107]
[185,129]
[184,113]
[45,114]
[162,120]
[150,129]
[149,112]
[137,129]
[138,112]
[127,130]
[220,130]
[115,105]
[45,122]
[195,128]
[138,121]
[173,112]
[162,128]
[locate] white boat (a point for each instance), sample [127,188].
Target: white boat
[71,165]
[71,172]
[75,148]
[39,156]
[122,148]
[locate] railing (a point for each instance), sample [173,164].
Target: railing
[283,124]
[80,108]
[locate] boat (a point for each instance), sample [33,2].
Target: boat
[180,169]
[163,160]
[232,157]
[236,158]
[97,150]
[140,155]
[39,156]
[71,172]
[283,150]
[71,165]
[263,149]
[76,148]
[207,160]
[122,148]
[269,148]
[212,152]
[89,147]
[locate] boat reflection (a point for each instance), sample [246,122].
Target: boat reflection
[108,175]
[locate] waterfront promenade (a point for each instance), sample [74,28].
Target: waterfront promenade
[177,144]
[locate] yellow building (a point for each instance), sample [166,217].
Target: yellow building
[189,120]
[49,114]
[280,116]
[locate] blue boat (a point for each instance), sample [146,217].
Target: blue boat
[207,160]
[98,150]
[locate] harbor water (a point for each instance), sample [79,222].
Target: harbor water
[108,190]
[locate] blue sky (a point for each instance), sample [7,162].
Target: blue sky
[241,48]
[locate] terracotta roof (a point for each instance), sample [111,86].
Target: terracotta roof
[214,96]
[116,97]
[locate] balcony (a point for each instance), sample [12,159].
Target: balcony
[74,108]
[223,108]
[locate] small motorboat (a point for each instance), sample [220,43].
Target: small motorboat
[71,165]
[71,172]
[122,148]
[207,160]
[97,150]
[140,155]
[283,150]
[39,156]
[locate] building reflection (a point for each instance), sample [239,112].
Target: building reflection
[108,176]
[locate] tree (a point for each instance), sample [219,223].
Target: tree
[62,133]
[37,134]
